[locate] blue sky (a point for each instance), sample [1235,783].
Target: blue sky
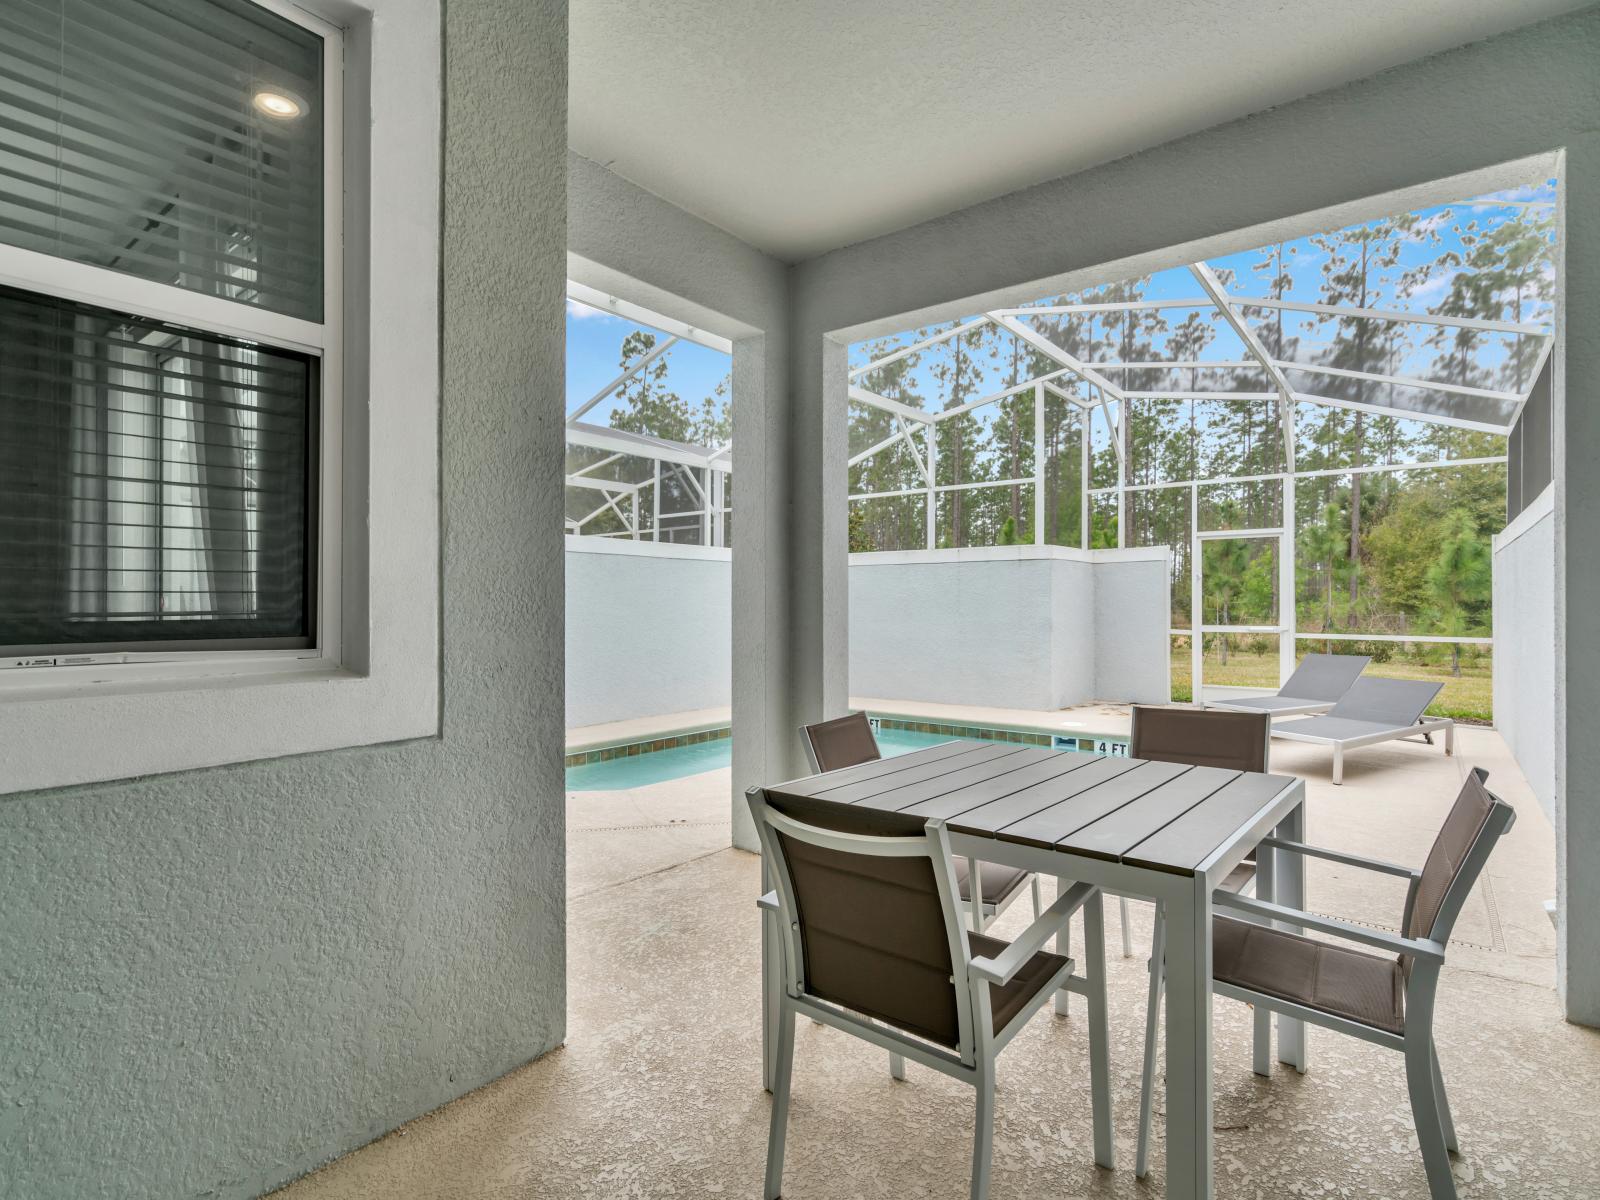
[594,340]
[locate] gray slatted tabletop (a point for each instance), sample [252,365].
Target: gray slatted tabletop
[1165,831]
[1160,816]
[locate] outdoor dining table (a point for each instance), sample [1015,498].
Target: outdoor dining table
[1162,831]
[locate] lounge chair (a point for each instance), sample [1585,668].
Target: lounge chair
[1372,711]
[1385,998]
[1318,683]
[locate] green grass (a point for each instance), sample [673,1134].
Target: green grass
[1467,697]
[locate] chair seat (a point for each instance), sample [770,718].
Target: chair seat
[998,882]
[1006,1002]
[1366,988]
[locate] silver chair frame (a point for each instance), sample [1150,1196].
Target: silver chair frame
[1430,1106]
[973,1060]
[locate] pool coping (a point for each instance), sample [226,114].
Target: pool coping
[701,732]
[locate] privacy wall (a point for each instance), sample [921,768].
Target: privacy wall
[1525,644]
[648,629]
[1016,627]
[1038,627]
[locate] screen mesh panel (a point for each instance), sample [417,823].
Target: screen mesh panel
[131,138]
[156,484]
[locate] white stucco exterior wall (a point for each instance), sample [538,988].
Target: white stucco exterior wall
[213,980]
[1009,626]
[1132,619]
[1525,646]
[648,629]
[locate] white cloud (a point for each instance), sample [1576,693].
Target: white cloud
[1434,288]
[580,311]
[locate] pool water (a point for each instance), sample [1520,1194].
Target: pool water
[658,766]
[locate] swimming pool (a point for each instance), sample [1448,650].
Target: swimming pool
[676,762]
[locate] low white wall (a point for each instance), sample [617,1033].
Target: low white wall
[1132,616]
[649,629]
[1524,644]
[1010,626]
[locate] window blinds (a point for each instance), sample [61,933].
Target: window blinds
[132,136]
[156,484]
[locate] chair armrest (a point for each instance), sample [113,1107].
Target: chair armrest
[1003,967]
[1338,856]
[1427,950]
[769,901]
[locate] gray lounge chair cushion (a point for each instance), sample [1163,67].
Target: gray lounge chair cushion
[1319,679]
[1391,702]
[1324,676]
[1280,702]
[1371,707]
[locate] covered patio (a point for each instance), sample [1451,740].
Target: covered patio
[655,1092]
[326,597]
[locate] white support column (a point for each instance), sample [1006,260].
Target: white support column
[655,505]
[1123,417]
[714,505]
[933,479]
[705,507]
[1038,464]
[1287,616]
[1085,436]
[1196,639]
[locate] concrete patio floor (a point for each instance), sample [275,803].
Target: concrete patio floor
[657,1091]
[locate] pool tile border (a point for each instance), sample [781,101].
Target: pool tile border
[697,737]
[986,733]
[580,758]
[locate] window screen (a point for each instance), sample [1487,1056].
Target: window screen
[140,135]
[156,484]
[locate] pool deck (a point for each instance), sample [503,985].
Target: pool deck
[1081,719]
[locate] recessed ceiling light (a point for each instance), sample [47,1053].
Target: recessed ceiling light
[283,105]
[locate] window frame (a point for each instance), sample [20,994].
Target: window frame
[323,341]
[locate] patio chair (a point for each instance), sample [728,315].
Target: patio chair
[1318,683]
[1234,741]
[848,741]
[1372,711]
[871,943]
[1386,999]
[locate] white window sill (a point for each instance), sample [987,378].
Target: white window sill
[95,733]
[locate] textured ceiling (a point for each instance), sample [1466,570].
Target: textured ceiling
[804,125]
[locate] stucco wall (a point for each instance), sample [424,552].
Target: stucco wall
[1524,644]
[1342,155]
[1011,627]
[212,981]
[1132,616]
[647,629]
